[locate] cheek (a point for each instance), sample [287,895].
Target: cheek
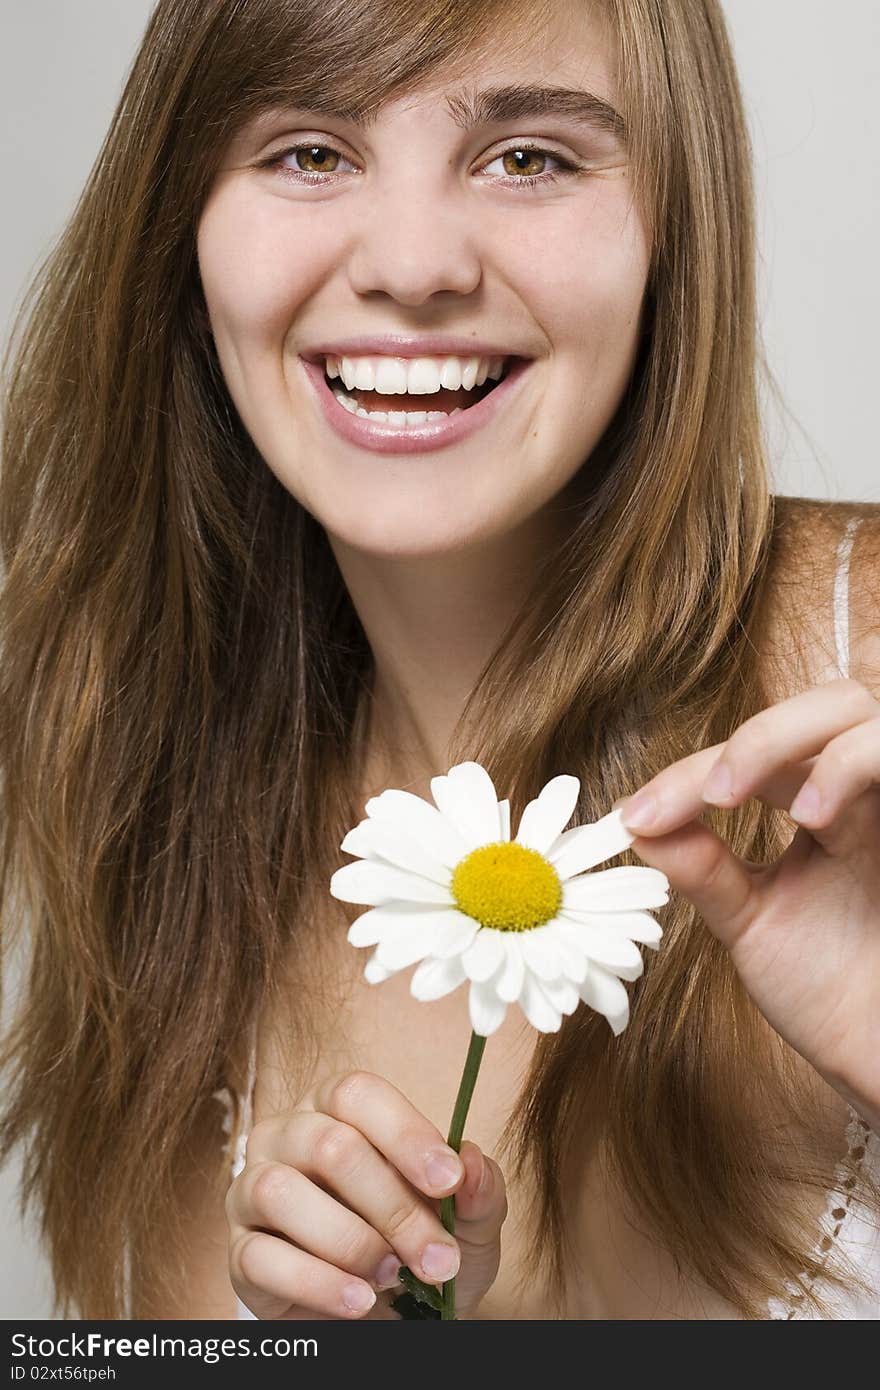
[254,274]
[591,308]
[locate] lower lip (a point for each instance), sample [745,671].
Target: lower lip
[384,439]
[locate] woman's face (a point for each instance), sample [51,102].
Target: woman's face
[416,226]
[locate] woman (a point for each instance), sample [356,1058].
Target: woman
[235,608]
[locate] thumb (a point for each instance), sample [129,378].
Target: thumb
[480,1211]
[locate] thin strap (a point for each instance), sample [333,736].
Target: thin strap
[838,1206]
[841,596]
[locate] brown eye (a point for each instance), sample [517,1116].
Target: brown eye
[315,159]
[520,161]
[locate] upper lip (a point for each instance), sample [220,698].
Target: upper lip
[402,345]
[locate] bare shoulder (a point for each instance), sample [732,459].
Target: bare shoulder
[801,640]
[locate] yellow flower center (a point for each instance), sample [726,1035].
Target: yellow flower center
[507,886]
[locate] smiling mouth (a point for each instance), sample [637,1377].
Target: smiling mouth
[431,404]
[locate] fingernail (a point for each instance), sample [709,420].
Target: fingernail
[443,1168]
[719,784]
[386,1274]
[640,812]
[358,1298]
[440,1261]
[807,803]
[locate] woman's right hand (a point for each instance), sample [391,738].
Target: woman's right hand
[335,1196]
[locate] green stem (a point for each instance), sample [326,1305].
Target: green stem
[456,1130]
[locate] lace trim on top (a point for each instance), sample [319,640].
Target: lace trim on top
[838,1214]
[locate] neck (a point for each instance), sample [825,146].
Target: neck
[432,623]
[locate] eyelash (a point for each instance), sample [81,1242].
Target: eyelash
[532,181]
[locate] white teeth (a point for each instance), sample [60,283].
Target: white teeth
[403,419]
[417,376]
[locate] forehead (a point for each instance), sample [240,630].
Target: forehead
[562,43]
[559,58]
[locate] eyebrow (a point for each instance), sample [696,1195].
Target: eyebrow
[513,103]
[508,103]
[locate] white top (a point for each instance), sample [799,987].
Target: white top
[847,1229]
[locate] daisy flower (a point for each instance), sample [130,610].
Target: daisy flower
[522,921]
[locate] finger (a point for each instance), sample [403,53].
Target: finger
[344,1162]
[770,756]
[724,889]
[480,1212]
[394,1126]
[787,732]
[676,793]
[845,770]
[271,1277]
[280,1198]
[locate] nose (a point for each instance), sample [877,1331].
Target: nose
[411,244]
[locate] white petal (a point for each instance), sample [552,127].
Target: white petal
[378,839]
[487,1011]
[364,931]
[546,817]
[624,888]
[636,926]
[371,926]
[466,796]
[572,957]
[512,973]
[540,953]
[458,932]
[370,882]
[561,995]
[605,994]
[407,944]
[375,973]
[434,978]
[612,950]
[537,1007]
[504,815]
[586,845]
[416,817]
[484,955]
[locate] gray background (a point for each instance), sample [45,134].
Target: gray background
[808,74]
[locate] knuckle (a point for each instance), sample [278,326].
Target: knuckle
[292,1128]
[269,1189]
[356,1248]
[348,1093]
[401,1220]
[338,1148]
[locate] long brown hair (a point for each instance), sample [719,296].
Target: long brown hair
[183,676]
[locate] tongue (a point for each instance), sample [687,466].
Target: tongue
[437,400]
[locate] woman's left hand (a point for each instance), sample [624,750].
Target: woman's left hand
[803,932]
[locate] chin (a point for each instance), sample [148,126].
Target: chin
[405,537]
